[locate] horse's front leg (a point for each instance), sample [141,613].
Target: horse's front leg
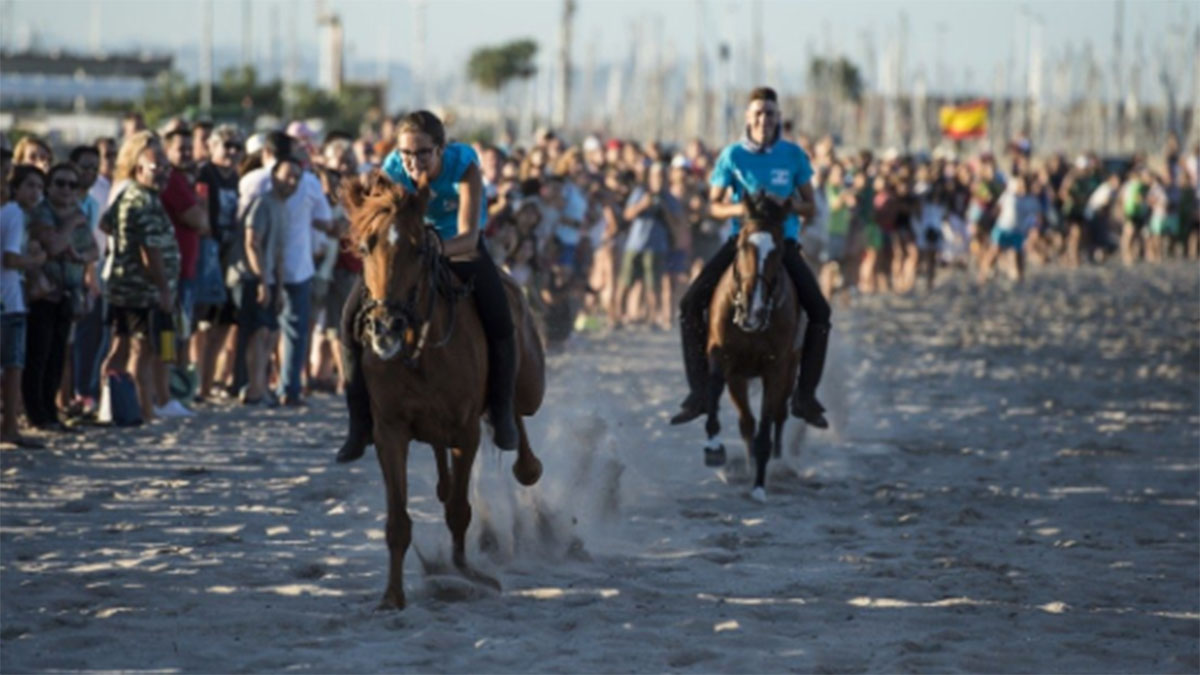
[774,398]
[714,451]
[391,442]
[458,512]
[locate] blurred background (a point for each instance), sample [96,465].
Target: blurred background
[1105,75]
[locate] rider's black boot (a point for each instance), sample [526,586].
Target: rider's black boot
[695,364]
[358,401]
[812,363]
[358,404]
[502,383]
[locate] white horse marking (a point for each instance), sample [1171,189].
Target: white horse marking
[764,243]
[393,235]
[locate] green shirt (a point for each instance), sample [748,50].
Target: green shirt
[138,219]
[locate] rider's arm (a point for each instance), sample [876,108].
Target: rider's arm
[470,200]
[719,206]
[803,206]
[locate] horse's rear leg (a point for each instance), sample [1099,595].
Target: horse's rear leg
[392,446]
[527,468]
[714,451]
[458,513]
[443,470]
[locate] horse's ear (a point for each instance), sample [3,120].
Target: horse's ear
[354,192]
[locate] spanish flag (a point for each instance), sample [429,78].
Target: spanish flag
[968,120]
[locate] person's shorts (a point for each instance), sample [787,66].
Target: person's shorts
[224,314]
[252,316]
[1164,225]
[1008,239]
[835,249]
[873,237]
[928,239]
[651,268]
[140,322]
[318,293]
[12,340]
[677,262]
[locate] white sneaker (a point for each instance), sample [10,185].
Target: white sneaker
[173,408]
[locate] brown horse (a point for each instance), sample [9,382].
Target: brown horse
[426,367]
[753,324]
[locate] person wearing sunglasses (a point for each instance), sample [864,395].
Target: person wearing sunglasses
[455,210]
[61,227]
[217,185]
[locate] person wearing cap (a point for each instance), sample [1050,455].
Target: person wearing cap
[761,162]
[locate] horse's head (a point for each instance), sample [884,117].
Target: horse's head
[758,266]
[387,225]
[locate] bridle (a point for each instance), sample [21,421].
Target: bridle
[741,303]
[404,316]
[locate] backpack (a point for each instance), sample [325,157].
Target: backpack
[119,401]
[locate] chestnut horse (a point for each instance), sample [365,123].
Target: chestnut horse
[426,367]
[753,324]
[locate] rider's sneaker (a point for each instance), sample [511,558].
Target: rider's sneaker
[809,409]
[693,407]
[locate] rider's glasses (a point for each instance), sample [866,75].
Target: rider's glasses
[419,153]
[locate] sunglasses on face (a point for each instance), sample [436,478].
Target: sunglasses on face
[67,184]
[420,153]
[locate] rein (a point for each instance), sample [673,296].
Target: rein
[438,283]
[741,306]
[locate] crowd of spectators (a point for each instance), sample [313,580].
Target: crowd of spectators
[209,264]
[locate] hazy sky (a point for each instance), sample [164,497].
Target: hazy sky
[978,34]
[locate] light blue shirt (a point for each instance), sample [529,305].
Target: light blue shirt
[442,210]
[780,170]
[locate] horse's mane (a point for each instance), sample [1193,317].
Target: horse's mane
[375,202]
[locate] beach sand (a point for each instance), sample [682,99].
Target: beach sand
[1011,485]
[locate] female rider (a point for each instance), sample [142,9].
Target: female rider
[455,210]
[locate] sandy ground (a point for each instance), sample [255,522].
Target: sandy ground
[1011,486]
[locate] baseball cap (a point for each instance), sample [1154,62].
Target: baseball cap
[591,144]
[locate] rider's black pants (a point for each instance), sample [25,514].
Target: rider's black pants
[696,301]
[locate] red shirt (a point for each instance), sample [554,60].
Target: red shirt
[347,258]
[177,198]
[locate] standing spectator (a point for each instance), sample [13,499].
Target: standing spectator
[308,210]
[140,288]
[61,227]
[261,286]
[82,386]
[33,150]
[131,123]
[188,215]
[200,135]
[6,163]
[106,147]
[25,188]
[649,209]
[217,186]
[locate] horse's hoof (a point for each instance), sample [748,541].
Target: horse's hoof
[759,495]
[478,577]
[527,473]
[390,602]
[714,456]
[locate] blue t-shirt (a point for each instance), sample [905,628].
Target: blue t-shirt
[442,210]
[780,170]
